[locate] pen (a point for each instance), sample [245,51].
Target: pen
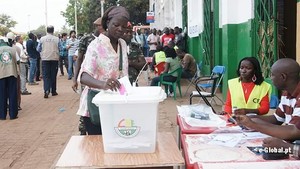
[231,119]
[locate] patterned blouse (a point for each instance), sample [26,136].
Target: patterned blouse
[101,62]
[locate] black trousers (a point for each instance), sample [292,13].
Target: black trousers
[8,92]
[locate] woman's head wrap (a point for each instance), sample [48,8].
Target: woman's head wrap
[114,11]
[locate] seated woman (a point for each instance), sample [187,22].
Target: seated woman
[172,63]
[248,93]
[159,56]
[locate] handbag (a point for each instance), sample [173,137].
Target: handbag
[92,108]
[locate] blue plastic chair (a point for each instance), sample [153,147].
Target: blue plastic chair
[211,82]
[274,102]
[217,70]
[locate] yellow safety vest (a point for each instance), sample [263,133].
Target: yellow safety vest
[255,97]
[160,57]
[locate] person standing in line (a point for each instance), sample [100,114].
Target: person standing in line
[12,40]
[33,55]
[23,63]
[8,79]
[167,37]
[146,45]
[48,47]
[38,61]
[83,44]
[63,54]
[153,40]
[179,40]
[102,65]
[139,38]
[72,46]
[136,58]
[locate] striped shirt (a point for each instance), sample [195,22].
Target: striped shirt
[74,43]
[288,110]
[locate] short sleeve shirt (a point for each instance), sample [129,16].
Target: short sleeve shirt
[101,62]
[288,110]
[191,63]
[85,41]
[174,64]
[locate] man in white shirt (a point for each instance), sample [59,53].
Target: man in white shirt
[23,63]
[153,40]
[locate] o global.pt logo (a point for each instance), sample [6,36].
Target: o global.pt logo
[127,129]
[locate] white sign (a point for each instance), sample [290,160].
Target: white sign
[195,17]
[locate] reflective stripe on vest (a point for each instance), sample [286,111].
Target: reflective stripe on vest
[256,95]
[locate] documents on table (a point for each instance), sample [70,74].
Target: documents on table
[227,140]
[189,112]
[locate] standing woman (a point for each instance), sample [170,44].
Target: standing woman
[248,93]
[100,68]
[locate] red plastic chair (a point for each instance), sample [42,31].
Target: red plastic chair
[159,68]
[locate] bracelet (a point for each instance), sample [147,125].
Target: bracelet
[296,150]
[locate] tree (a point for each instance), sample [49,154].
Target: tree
[82,15]
[40,30]
[89,10]
[6,23]
[137,10]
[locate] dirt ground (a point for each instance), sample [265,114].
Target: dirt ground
[37,138]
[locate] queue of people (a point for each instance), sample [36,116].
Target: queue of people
[112,52]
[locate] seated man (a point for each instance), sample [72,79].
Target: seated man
[188,64]
[285,76]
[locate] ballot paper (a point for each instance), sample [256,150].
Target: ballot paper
[228,140]
[126,87]
[185,111]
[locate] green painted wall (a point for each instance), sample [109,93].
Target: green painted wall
[235,45]
[195,48]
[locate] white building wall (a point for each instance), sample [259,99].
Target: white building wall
[235,11]
[167,13]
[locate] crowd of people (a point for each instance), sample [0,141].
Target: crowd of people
[96,62]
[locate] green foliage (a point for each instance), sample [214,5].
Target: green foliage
[40,30]
[6,23]
[137,10]
[82,15]
[89,10]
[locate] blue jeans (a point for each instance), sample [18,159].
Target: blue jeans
[50,68]
[32,70]
[71,64]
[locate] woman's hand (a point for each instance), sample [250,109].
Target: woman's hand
[240,112]
[112,84]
